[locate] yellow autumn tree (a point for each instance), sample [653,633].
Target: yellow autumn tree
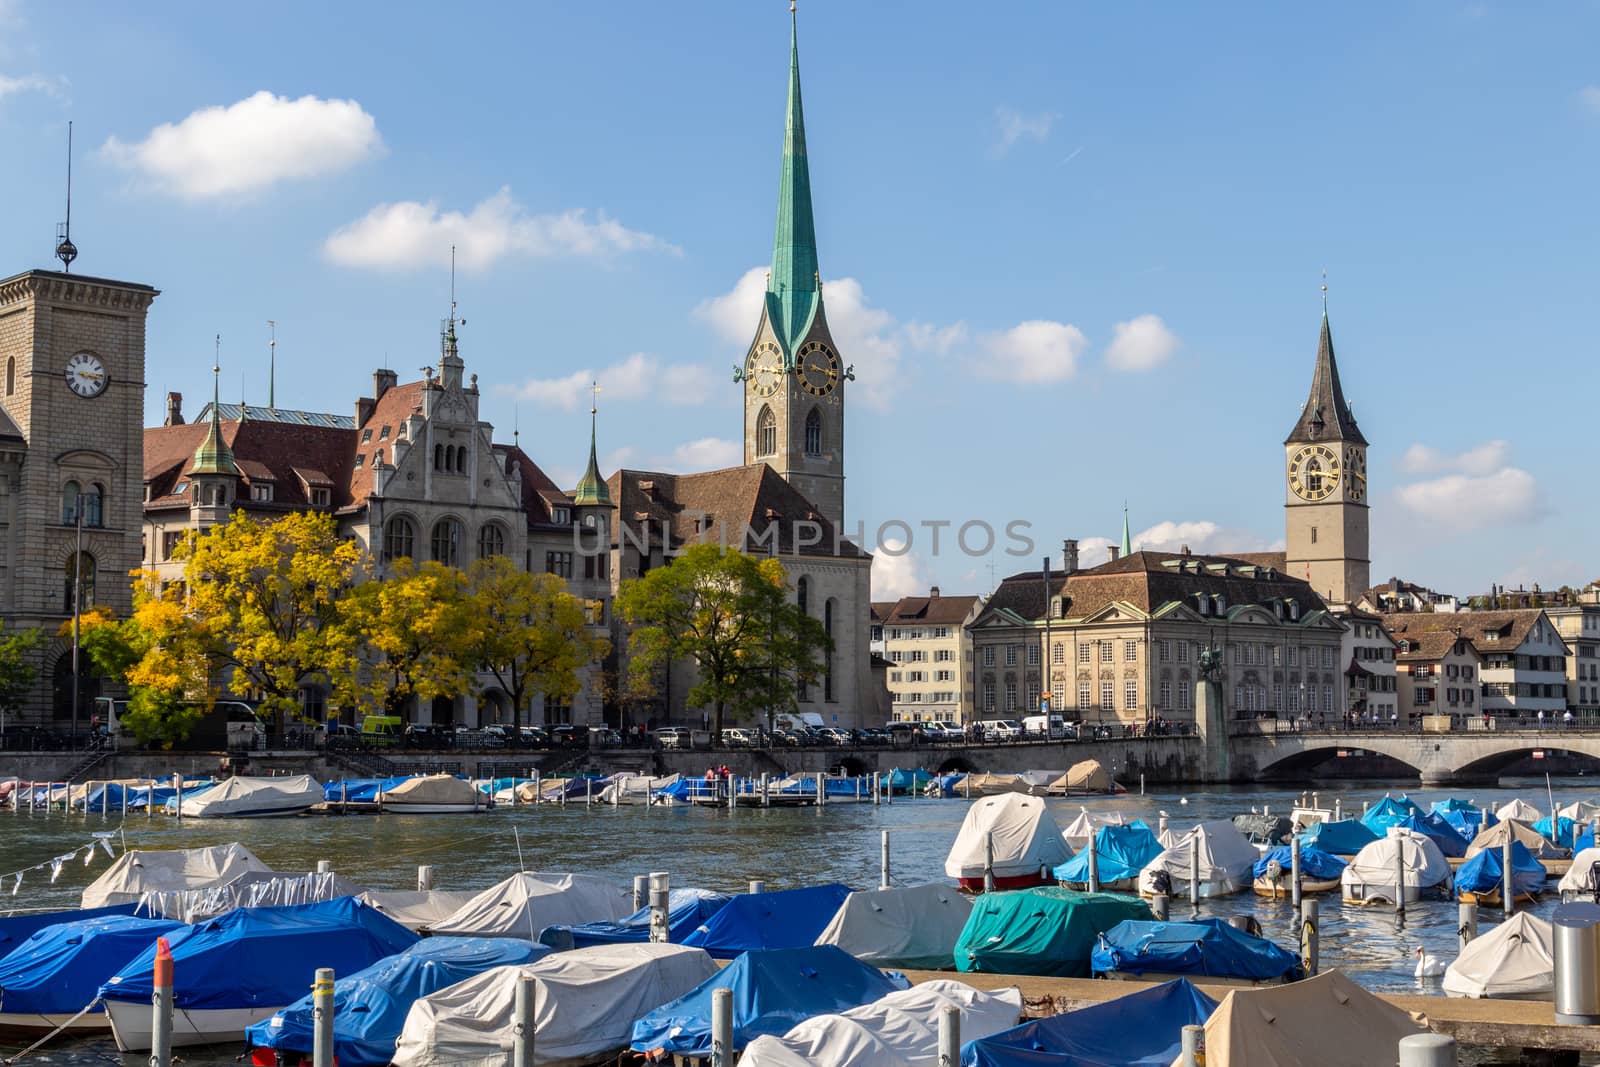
[416,623]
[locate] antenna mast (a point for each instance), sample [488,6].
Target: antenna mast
[272,365]
[66,251]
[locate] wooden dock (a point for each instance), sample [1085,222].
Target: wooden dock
[1491,1023]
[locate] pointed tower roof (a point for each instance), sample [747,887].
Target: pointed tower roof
[592,490]
[1127,542]
[794,291]
[1326,416]
[214,456]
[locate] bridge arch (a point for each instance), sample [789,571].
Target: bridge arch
[1304,759]
[1495,764]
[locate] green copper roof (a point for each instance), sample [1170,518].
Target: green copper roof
[1127,542]
[793,291]
[592,490]
[214,456]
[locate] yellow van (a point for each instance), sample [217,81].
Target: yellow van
[382,730]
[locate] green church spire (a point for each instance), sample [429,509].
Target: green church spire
[592,490]
[1127,542]
[214,456]
[794,291]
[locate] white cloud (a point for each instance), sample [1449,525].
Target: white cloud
[1141,343]
[409,234]
[1201,536]
[1036,351]
[897,573]
[1476,487]
[637,376]
[245,147]
[10,86]
[704,454]
[1589,96]
[1014,126]
[735,313]
[1481,459]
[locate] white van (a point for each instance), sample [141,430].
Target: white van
[1001,729]
[1052,726]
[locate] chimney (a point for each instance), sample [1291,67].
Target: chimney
[933,594]
[1183,550]
[364,406]
[382,381]
[174,410]
[1069,556]
[1116,552]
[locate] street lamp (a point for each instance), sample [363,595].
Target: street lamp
[77,609]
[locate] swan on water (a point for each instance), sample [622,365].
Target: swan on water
[1428,965]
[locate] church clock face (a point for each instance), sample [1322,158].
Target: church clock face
[86,375]
[819,368]
[1355,468]
[1314,472]
[765,369]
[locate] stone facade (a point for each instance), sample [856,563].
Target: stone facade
[1367,652]
[1579,625]
[929,649]
[1524,658]
[1438,674]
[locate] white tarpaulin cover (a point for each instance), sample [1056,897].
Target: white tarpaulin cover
[1227,861]
[525,903]
[253,889]
[1583,811]
[1515,959]
[635,788]
[142,871]
[1370,875]
[1327,1020]
[1082,828]
[1085,776]
[1025,838]
[432,791]
[1494,837]
[416,908]
[1518,809]
[917,926]
[243,797]
[898,1030]
[585,1004]
[1581,878]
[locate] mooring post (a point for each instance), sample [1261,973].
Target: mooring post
[888,787]
[1161,825]
[1161,907]
[1400,877]
[1427,1050]
[177,786]
[424,877]
[1508,895]
[641,891]
[324,866]
[1364,805]
[949,1036]
[722,1028]
[660,896]
[1194,872]
[822,790]
[522,1025]
[988,862]
[1194,1046]
[766,792]
[1466,924]
[322,1018]
[757,886]
[1141,783]
[588,791]
[1094,866]
[1338,808]
[883,873]
[1310,939]
[161,1007]
[1294,873]
[877,789]
[535,776]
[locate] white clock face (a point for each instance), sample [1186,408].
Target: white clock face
[86,375]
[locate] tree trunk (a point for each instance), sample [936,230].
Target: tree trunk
[716,726]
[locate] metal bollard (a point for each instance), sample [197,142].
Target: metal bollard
[161,1007]
[1310,937]
[822,790]
[1194,873]
[1576,929]
[888,787]
[1400,879]
[883,874]
[1094,867]
[757,886]
[1294,873]
[660,896]
[1161,907]
[1338,809]
[988,863]
[766,794]
[1194,1046]
[588,792]
[177,785]
[1466,925]
[949,1036]
[522,1023]
[424,878]
[722,1028]
[1508,895]
[877,789]
[535,777]
[322,1018]
[1141,783]
[324,866]
[641,891]
[1161,825]
[1427,1050]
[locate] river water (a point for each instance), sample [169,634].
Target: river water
[718,849]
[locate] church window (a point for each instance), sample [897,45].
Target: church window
[80,574]
[766,433]
[814,433]
[447,542]
[70,503]
[93,505]
[491,541]
[11,375]
[399,539]
[802,592]
[827,652]
[438,457]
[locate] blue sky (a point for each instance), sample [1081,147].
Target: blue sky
[1073,250]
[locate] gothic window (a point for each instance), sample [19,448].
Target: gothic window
[1313,476]
[11,375]
[438,457]
[69,503]
[447,542]
[399,539]
[827,653]
[491,541]
[80,581]
[814,433]
[766,433]
[802,592]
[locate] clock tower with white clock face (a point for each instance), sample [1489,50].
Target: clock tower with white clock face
[793,374]
[1325,481]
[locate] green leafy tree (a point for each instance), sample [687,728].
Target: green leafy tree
[18,670]
[416,625]
[731,615]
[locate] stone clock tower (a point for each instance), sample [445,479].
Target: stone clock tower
[72,370]
[1326,488]
[793,376]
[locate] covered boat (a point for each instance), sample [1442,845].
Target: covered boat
[787,918]
[1017,832]
[773,991]
[253,889]
[1120,853]
[899,1029]
[1084,778]
[1582,880]
[982,783]
[1319,871]
[435,794]
[913,926]
[418,908]
[1389,811]
[1494,838]
[15,929]
[1262,829]
[908,782]
[1447,837]
[946,785]
[635,788]
[1581,811]
[585,1002]
[140,871]
[57,971]
[1562,831]
[1046,930]
[1518,809]
[370,1006]
[1142,1029]
[1479,880]
[1083,825]
[527,902]
[361,790]
[1516,959]
[240,968]
[254,798]
[1341,837]
[686,910]
[1203,948]
[1370,877]
[1465,816]
[1226,861]
[1327,1020]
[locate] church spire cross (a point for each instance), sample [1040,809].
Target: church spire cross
[592,490]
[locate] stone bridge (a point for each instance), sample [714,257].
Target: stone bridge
[1438,759]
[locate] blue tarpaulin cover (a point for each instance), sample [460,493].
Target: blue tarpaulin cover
[1565,828]
[1202,948]
[370,1006]
[787,918]
[904,781]
[1579,843]
[772,991]
[1315,864]
[1434,826]
[361,790]
[1481,874]
[686,910]
[946,785]
[1388,812]
[1143,1029]
[59,969]
[1464,815]
[265,957]
[1345,837]
[1120,852]
[15,929]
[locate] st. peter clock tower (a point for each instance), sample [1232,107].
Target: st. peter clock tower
[793,375]
[1326,488]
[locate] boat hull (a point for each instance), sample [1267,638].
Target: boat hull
[17,1024]
[1015,881]
[263,813]
[1116,885]
[1266,888]
[1492,898]
[130,1024]
[1205,979]
[391,808]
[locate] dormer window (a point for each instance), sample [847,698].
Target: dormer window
[261,492]
[366,435]
[383,434]
[561,516]
[321,498]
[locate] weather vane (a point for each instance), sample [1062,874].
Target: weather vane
[1324,290]
[594,397]
[216,358]
[66,251]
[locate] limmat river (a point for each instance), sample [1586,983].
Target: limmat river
[721,849]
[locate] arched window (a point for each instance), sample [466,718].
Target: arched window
[461,459]
[11,375]
[399,539]
[438,457]
[766,433]
[447,542]
[491,541]
[814,432]
[827,652]
[69,503]
[79,587]
[93,505]
[1313,476]
[802,593]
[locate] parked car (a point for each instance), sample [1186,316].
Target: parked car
[567,736]
[533,737]
[1001,729]
[604,736]
[429,736]
[833,735]
[672,737]
[738,737]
